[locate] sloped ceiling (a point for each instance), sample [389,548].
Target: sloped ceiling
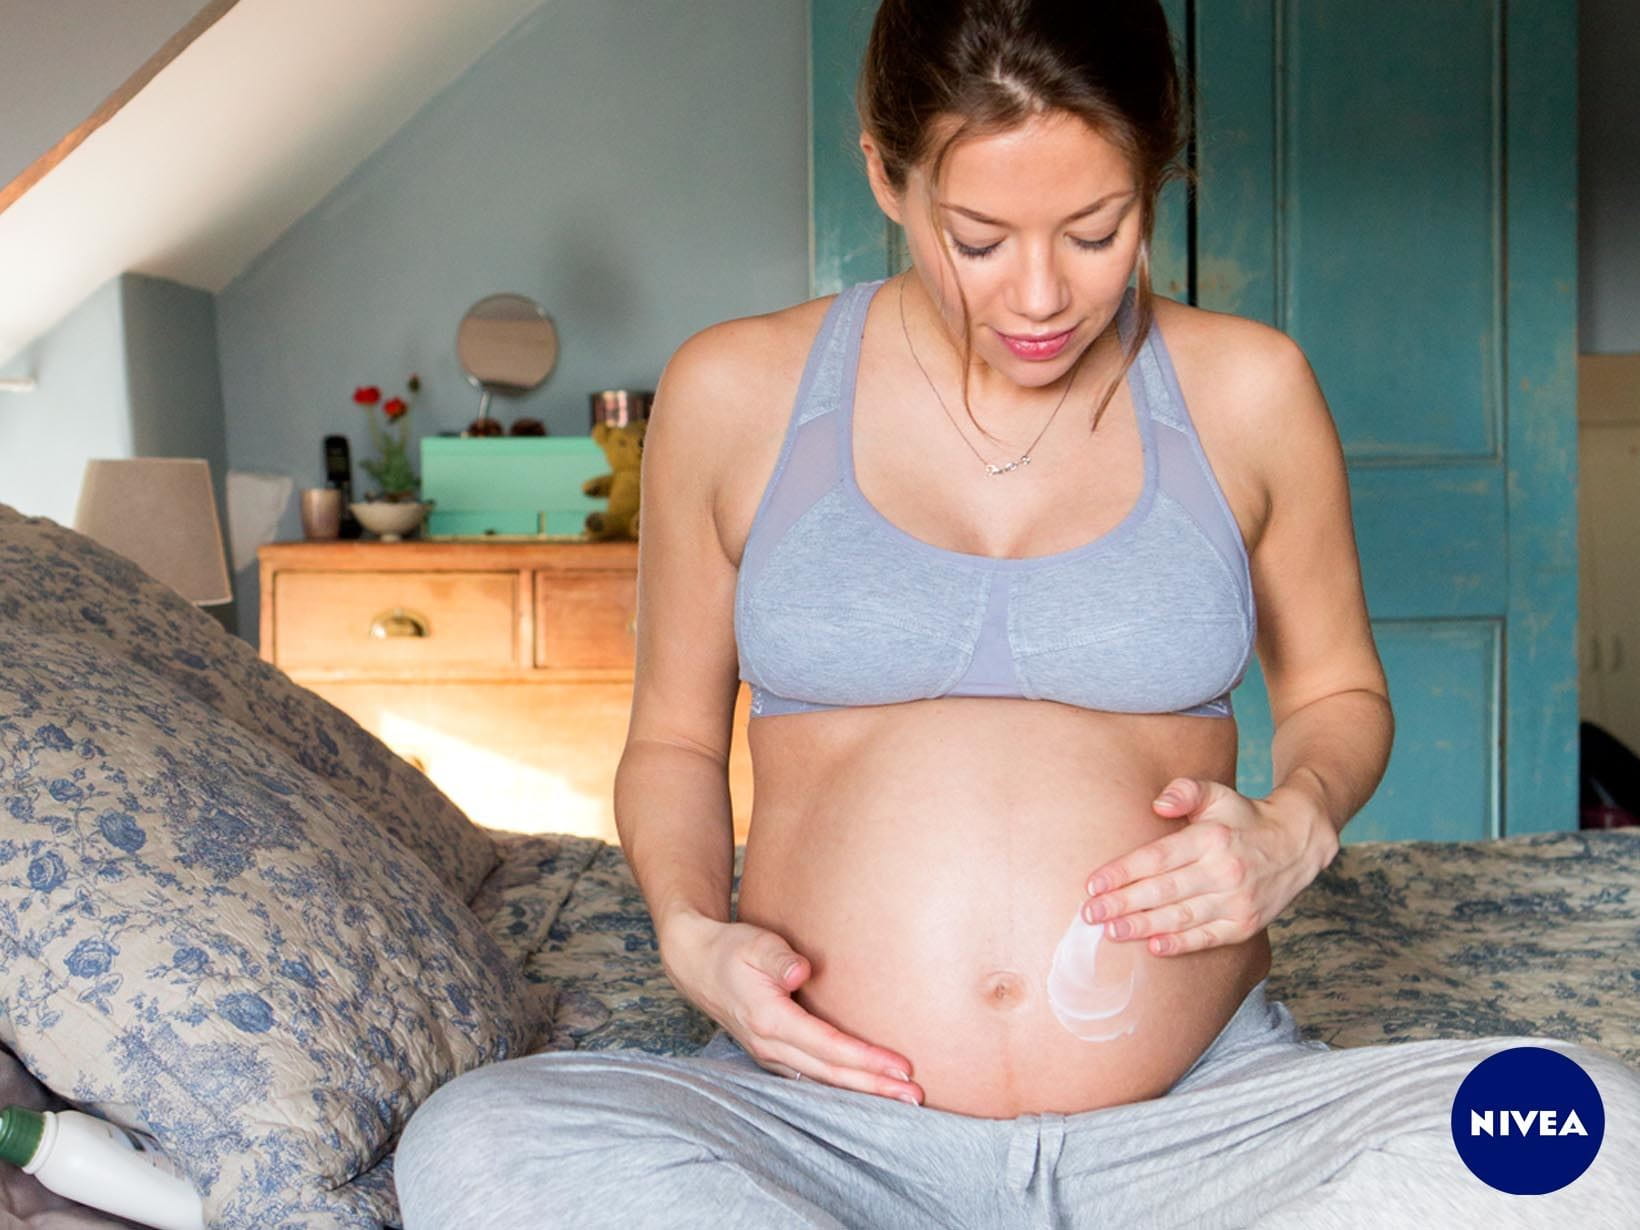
[245,131]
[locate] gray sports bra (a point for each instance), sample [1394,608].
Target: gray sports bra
[836,606]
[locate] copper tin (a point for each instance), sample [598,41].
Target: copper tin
[618,407]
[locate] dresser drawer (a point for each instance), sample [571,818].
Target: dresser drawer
[586,620]
[537,757]
[395,622]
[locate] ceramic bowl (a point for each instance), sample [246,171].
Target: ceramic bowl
[389,521]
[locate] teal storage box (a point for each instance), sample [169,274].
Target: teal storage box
[513,485]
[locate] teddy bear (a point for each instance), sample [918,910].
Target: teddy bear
[623,446]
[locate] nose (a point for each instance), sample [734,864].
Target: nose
[1040,292]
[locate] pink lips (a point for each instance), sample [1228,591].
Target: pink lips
[1046,348]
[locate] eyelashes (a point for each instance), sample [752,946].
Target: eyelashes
[976,254]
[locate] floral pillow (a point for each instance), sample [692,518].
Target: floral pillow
[202,939]
[52,579]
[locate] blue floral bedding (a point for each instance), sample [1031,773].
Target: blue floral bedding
[1393,942]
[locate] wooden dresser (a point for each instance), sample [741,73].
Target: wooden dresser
[502,670]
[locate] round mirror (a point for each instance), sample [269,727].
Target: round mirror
[507,345]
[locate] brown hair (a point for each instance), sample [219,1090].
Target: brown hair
[993,64]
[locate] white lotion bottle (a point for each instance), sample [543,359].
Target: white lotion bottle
[84,1158]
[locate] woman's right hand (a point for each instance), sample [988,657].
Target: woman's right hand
[743,977]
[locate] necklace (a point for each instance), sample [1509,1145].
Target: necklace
[1024,459]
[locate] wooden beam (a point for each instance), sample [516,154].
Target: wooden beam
[174,46]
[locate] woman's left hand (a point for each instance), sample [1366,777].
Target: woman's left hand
[1220,879]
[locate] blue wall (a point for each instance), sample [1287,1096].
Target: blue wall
[78,410]
[640,169]
[173,380]
[131,372]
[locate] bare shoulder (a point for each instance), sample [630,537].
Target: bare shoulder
[723,404]
[1246,357]
[1253,398]
[725,374]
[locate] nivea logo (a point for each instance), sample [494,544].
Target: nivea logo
[1541,1122]
[1528,1120]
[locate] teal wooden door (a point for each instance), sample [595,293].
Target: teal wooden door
[1380,182]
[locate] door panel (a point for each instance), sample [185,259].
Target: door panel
[850,232]
[1391,173]
[1355,158]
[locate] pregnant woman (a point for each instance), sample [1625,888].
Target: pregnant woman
[991,542]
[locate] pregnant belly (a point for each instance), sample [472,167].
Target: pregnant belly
[930,860]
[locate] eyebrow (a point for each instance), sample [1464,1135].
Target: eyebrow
[1081,213]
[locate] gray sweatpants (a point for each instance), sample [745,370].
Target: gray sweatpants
[1264,1130]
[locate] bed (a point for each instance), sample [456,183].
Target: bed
[542,942]
[1395,941]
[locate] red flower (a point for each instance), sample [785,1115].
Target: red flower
[367,395]
[394,407]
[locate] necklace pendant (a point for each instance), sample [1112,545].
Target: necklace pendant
[1012,465]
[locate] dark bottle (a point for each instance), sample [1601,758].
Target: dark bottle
[339,474]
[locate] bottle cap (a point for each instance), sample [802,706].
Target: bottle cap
[20,1132]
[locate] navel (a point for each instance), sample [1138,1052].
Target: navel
[1004,988]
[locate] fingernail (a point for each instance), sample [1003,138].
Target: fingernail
[1096,886]
[907,1098]
[1095,912]
[899,1075]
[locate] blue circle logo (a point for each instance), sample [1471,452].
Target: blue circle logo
[1528,1120]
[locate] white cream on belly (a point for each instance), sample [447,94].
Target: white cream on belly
[1092,997]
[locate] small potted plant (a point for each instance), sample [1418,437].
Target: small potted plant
[391,510]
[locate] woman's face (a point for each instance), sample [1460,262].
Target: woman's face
[1042,227]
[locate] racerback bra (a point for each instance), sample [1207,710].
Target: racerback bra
[836,606]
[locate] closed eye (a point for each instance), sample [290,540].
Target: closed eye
[1087,245]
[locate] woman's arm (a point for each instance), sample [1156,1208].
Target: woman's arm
[1239,861]
[1329,757]
[672,811]
[1329,700]
[672,804]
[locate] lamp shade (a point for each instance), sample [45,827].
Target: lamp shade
[160,513]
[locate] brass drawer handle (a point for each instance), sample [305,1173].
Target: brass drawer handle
[399,622]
